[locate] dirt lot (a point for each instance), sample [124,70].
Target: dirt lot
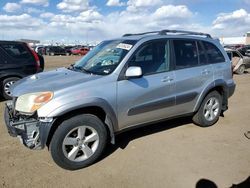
[170,154]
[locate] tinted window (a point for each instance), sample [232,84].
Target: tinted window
[185,53]
[202,54]
[213,53]
[152,57]
[16,50]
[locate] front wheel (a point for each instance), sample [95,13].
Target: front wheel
[78,142]
[209,111]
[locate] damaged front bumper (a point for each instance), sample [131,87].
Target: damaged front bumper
[33,132]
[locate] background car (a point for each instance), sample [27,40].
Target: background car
[55,50]
[234,46]
[40,50]
[68,49]
[80,51]
[245,50]
[239,62]
[17,61]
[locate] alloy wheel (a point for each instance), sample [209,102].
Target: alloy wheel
[80,143]
[211,109]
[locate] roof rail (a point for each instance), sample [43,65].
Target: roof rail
[166,31]
[150,32]
[162,32]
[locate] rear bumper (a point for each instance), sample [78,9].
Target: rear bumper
[231,89]
[32,132]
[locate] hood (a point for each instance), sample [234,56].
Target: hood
[51,81]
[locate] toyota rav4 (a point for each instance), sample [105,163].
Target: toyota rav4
[122,83]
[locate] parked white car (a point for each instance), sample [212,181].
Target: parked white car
[239,62]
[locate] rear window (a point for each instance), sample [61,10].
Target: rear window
[16,50]
[213,53]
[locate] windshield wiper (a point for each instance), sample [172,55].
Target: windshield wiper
[71,67]
[85,70]
[78,68]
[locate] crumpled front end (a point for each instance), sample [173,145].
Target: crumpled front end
[32,131]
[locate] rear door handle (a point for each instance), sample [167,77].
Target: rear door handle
[167,79]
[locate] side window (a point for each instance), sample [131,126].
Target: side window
[152,57]
[186,54]
[202,54]
[213,53]
[16,50]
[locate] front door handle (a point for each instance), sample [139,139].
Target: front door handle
[205,72]
[167,79]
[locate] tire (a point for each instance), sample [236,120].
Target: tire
[209,111]
[72,137]
[5,87]
[241,69]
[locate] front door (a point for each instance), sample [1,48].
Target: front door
[151,97]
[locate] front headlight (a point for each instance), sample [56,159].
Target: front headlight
[29,103]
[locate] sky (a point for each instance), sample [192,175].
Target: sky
[86,21]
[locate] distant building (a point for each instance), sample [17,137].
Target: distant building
[30,41]
[236,40]
[248,38]
[233,40]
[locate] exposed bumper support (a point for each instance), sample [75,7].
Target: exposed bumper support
[33,133]
[231,89]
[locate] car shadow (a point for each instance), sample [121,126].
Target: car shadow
[123,139]
[246,72]
[244,184]
[205,183]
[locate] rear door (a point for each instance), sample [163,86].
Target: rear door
[192,73]
[217,61]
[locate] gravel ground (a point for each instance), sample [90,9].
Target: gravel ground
[174,154]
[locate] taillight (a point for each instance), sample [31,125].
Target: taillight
[36,59]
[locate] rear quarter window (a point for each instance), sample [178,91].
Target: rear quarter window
[18,51]
[213,53]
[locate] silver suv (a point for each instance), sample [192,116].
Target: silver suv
[122,83]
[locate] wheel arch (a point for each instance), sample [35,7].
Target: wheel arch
[4,76]
[221,87]
[106,116]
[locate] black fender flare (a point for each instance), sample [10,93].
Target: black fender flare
[110,119]
[217,83]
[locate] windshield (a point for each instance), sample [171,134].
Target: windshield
[105,57]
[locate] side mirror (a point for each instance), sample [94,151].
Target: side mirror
[133,72]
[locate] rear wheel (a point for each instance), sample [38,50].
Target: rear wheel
[241,69]
[78,142]
[209,111]
[6,86]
